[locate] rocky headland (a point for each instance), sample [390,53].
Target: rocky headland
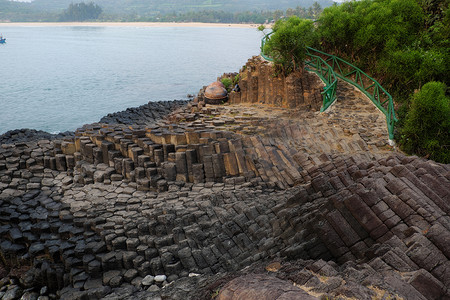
[260,198]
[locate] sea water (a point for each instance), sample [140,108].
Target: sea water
[58,78]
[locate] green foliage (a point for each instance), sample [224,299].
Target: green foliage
[236,79]
[364,28]
[228,83]
[81,12]
[427,125]
[149,8]
[261,28]
[404,44]
[287,44]
[13,11]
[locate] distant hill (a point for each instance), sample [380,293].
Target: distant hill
[155,7]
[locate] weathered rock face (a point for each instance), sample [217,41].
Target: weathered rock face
[299,90]
[262,287]
[119,211]
[29,135]
[147,114]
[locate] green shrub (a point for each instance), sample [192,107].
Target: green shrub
[427,125]
[236,79]
[287,44]
[228,83]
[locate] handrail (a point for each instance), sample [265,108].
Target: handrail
[320,63]
[263,43]
[319,66]
[366,84]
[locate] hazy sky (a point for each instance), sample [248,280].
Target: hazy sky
[339,1]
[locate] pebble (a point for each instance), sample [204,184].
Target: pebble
[160,278]
[153,288]
[148,280]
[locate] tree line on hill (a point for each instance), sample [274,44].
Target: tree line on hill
[404,44]
[18,11]
[212,16]
[81,12]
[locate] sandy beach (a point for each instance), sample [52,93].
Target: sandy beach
[126,24]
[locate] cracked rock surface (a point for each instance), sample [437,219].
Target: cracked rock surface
[224,202]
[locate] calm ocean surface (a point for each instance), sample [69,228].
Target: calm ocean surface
[59,78]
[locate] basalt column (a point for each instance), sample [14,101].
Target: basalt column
[258,84]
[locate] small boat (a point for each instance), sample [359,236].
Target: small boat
[2,40]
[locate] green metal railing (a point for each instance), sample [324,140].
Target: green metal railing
[319,66]
[329,66]
[366,84]
[325,72]
[263,43]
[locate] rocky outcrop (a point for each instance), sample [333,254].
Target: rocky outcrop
[29,135]
[148,114]
[179,209]
[259,85]
[145,115]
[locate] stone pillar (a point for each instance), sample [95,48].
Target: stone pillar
[234,98]
[218,167]
[128,167]
[116,141]
[168,148]
[197,173]
[97,139]
[112,154]
[70,162]
[192,137]
[139,173]
[158,156]
[169,171]
[60,161]
[134,153]
[142,160]
[68,148]
[191,158]
[243,84]
[52,163]
[124,143]
[151,150]
[181,165]
[230,163]
[98,155]
[106,147]
[292,90]
[118,165]
[206,150]
[267,71]
[178,139]
[253,89]
[208,168]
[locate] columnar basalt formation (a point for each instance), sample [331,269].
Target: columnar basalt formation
[209,196]
[259,84]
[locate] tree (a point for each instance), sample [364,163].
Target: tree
[288,42]
[427,125]
[278,14]
[290,12]
[316,10]
[81,12]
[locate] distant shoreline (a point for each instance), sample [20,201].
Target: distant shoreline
[124,24]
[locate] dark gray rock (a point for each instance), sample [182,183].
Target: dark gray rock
[29,135]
